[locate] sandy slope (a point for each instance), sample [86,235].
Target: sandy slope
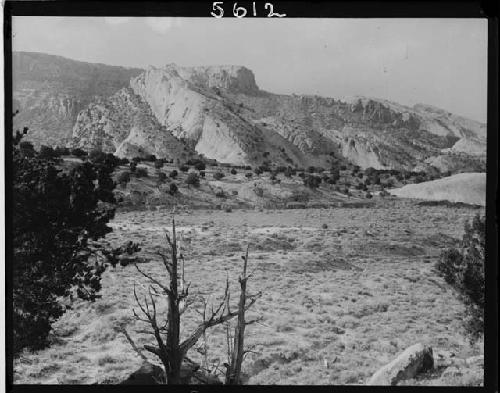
[462,187]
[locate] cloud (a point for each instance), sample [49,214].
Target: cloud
[162,25]
[116,20]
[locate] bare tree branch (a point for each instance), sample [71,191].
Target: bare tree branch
[153,349]
[166,262]
[155,281]
[132,344]
[194,337]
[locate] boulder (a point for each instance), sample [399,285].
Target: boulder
[147,374]
[414,360]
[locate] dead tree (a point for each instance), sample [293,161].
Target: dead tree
[169,349]
[237,351]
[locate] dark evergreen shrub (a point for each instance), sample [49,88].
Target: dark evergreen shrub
[173,189]
[312,181]
[218,175]
[463,269]
[55,215]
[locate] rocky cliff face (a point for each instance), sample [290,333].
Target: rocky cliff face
[124,125]
[225,115]
[191,102]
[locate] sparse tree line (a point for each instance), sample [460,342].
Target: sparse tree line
[341,177]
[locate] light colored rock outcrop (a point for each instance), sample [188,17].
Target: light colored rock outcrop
[412,361]
[124,125]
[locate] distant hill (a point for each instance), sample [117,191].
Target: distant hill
[462,187]
[223,113]
[51,90]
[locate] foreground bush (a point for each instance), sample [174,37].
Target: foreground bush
[55,215]
[464,270]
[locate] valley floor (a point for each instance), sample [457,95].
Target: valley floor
[339,300]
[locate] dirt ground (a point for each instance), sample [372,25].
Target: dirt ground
[344,291]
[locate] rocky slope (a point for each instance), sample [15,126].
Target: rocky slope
[192,103]
[225,115]
[231,119]
[124,125]
[50,91]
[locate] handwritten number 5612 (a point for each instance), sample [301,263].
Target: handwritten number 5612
[240,12]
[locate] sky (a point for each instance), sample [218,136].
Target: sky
[441,62]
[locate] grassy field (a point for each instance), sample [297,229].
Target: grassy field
[344,291]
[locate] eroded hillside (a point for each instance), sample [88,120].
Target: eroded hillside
[50,91]
[225,116]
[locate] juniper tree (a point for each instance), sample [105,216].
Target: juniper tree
[463,269]
[56,215]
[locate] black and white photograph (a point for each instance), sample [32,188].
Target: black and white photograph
[247,198]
